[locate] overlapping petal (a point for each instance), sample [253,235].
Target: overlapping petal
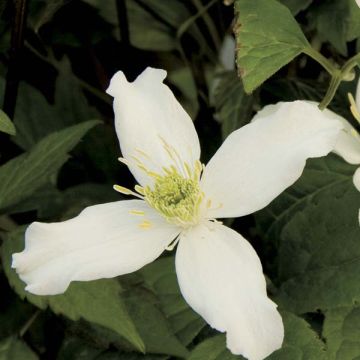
[356,179]
[102,241]
[260,160]
[348,147]
[148,119]
[348,143]
[221,278]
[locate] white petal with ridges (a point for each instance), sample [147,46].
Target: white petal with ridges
[102,241]
[348,143]
[260,160]
[348,147]
[220,276]
[356,179]
[147,115]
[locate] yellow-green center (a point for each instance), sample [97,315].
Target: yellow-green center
[176,197]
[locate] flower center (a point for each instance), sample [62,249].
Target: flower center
[176,197]
[175,192]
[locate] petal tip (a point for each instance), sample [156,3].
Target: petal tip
[116,83]
[152,75]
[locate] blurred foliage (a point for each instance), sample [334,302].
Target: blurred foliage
[58,154]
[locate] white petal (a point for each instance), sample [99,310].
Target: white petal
[348,147]
[220,276]
[356,179]
[357,96]
[260,160]
[358,2]
[103,241]
[146,112]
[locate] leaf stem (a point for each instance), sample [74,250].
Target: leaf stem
[322,60]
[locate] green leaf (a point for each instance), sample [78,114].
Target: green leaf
[233,106]
[152,325]
[337,22]
[45,10]
[213,348]
[160,277]
[295,6]
[98,301]
[317,224]
[320,254]
[342,333]
[23,175]
[267,37]
[300,343]
[6,124]
[36,118]
[12,348]
[318,176]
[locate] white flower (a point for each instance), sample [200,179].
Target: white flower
[219,273]
[348,144]
[357,2]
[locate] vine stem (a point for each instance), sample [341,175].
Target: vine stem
[17,42]
[337,77]
[322,60]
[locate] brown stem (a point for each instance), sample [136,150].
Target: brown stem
[17,42]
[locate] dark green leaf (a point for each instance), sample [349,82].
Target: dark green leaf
[337,22]
[98,301]
[35,118]
[296,6]
[233,106]
[318,227]
[213,349]
[12,348]
[342,333]
[152,325]
[6,124]
[23,175]
[45,10]
[161,278]
[300,343]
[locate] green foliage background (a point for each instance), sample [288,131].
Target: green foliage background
[59,154]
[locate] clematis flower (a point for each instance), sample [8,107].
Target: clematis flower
[348,144]
[178,201]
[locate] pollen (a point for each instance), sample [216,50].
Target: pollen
[176,197]
[174,191]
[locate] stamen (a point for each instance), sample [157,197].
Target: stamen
[124,161]
[143,153]
[353,107]
[137,212]
[126,191]
[146,224]
[139,189]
